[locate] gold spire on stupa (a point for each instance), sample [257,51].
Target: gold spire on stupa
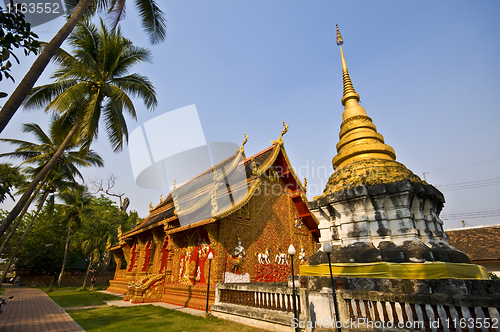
[349,91]
[358,135]
[362,156]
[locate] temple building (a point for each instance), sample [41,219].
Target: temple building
[480,243]
[245,211]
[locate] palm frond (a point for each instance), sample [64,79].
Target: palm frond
[94,7]
[116,13]
[22,145]
[73,97]
[130,56]
[85,37]
[42,95]
[138,86]
[35,129]
[116,126]
[153,20]
[117,95]
[90,124]
[63,58]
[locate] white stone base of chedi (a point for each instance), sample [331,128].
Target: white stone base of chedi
[232,278]
[393,222]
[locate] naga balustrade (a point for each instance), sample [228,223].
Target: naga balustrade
[419,312]
[271,299]
[267,305]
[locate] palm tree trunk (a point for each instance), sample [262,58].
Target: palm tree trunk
[22,238]
[29,80]
[21,215]
[45,170]
[66,249]
[86,275]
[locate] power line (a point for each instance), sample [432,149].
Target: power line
[469,185]
[471,214]
[445,169]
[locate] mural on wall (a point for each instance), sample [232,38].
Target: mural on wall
[193,258]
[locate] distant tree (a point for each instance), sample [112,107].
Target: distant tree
[43,248]
[97,185]
[99,229]
[76,205]
[21,227]
[57,181]
[10,178]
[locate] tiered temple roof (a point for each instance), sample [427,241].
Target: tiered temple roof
[224,189]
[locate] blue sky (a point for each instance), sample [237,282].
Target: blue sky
[427,73]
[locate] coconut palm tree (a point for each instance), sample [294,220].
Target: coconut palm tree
[153,22]
[41,152]
[77,202]
[91,84]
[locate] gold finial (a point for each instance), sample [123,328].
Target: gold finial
[305,184]
[161,198]
[242,149]
[175,183]
[244,141]
[340,41]
[283,132]
[349,92]
[150,206]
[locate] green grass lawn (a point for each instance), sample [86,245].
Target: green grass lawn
[73,298]
[150,318]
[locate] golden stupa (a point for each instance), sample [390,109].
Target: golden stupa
[362,157]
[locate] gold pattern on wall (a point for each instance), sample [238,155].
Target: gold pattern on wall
[244,212]
[255,169]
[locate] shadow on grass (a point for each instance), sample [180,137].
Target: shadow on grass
[80,299]
[149,318]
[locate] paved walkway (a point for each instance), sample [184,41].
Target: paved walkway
[31,310]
